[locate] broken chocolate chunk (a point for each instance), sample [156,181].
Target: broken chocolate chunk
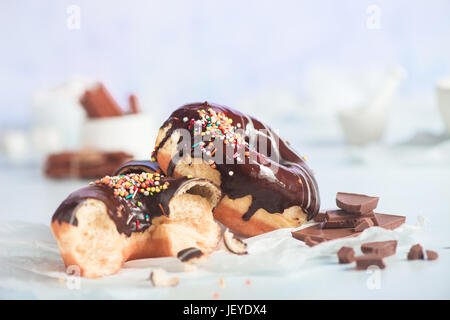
[368,260]
[416,252]
[321,216]
[381,248]
[363,225]
[346,255]
[343,219]
[356,203]
[386,221]
[431,255]
[310,242]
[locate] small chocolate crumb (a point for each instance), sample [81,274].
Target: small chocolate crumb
[346,255]
[431,255]
[368,260]
[416,252]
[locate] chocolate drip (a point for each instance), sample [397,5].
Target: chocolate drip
[292,184]
[126,213]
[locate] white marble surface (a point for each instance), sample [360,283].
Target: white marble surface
[410,190]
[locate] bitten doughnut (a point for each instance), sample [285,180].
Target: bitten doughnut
[133,216]
[263,189]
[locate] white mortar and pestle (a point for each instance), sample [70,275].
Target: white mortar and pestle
[366,124]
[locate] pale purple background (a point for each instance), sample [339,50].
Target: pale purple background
[172,52]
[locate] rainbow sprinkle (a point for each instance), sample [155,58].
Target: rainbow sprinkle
[128,185]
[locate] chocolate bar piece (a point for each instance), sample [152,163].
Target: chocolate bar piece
[346,255]
[363,225]
[431,255]
[343,219]
[84,164]
[356,203]
[380,248]
[99,103]
[310,242]
[321,216]
[134,105]
[368,260]
[316,233]
[416,252]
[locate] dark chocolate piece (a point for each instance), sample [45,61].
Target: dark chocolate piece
[343,219]
[316,233]
[431,255]
[381,248]
[416,252]
[346,255]
[356,203]
[321,216]
[292,184]
[363,225]
[188,254]
[368,260]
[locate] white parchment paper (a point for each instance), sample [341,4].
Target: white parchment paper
[31,267]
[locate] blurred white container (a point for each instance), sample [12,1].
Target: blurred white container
[366,124]
[57,116]
[443,98]
[132,133]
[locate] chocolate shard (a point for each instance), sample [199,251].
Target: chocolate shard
[343,219]
[380,248]
[368,260]
[356,203]
[189,254]
[321,216]
[386,221]
[346,255]
[416,252]
[431,255]
[363,225]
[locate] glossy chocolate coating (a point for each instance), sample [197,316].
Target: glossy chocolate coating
[137,166]
[292,184]
[126,214]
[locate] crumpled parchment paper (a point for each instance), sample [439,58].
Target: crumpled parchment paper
[31,267]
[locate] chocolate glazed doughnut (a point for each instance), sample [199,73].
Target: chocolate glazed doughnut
[133,216]
[261,191]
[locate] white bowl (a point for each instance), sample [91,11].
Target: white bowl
[133,133]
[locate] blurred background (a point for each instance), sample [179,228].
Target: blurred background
[359,87]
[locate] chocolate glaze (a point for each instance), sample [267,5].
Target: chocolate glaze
[126,214]
[293,183]
[137,166]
